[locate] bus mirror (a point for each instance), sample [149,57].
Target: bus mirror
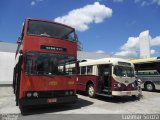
[76,37]
[20,52]
[19,40]
[20,59]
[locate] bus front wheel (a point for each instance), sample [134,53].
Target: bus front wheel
[149,86]
[91,91]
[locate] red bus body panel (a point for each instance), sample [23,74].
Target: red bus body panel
[33,43]
[46,83]
[84,79]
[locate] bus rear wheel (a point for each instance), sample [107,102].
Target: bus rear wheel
[91,91]
[149,86]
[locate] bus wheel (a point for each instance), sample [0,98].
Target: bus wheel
[149,86]
[17,101]
[91,91]
[22,109]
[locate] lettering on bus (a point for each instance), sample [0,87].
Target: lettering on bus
[54,48]
[52,83]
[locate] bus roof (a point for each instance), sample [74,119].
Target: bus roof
[145,60]
[48,21]
[113,61]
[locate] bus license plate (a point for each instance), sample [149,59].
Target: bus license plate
[52,100]
[129,92]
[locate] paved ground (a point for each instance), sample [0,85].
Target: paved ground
[149,104]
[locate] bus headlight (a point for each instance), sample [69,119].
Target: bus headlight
[71,92]
[66,93]
[29,94]
[35,94]
[119,85]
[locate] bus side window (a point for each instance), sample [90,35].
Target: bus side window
[156,73]
[78,70]
[89,70]
[83,70]
[22,34]
[140,73]
[20,38]
[147,73]
[71,71]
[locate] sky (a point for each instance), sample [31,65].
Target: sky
[103,26]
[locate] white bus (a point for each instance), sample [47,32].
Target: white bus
[148,71]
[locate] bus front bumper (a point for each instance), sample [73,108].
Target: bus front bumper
[47,101]
[125,93]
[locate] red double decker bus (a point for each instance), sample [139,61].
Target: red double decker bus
[40,77]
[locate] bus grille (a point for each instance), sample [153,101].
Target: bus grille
[50,94]
[46,94]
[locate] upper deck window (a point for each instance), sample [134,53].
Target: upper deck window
[49,29]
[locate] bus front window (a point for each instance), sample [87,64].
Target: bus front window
[47,63]
[123,71]
[48,29]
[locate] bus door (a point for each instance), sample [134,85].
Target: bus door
[104,72]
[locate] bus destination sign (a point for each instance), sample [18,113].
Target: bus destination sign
[54,48]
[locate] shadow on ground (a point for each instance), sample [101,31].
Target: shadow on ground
[56,108]
[122,99]
[155,91]
[158,91]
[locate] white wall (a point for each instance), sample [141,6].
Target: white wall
[7,61]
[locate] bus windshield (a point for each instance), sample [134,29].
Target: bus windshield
[48,29]
[123,71]
[47,63]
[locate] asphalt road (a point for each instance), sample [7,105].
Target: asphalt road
[85,108]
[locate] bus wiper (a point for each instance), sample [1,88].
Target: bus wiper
[45,35]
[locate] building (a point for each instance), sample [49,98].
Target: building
[7,55]
[144,40]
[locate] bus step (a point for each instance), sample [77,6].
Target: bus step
[104,94]
[106,90]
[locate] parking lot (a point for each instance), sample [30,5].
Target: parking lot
[148,104]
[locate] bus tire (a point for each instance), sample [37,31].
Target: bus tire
[17,87]
[91,90]
[17,96]
[14,80]
[22,109]
[149,86]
